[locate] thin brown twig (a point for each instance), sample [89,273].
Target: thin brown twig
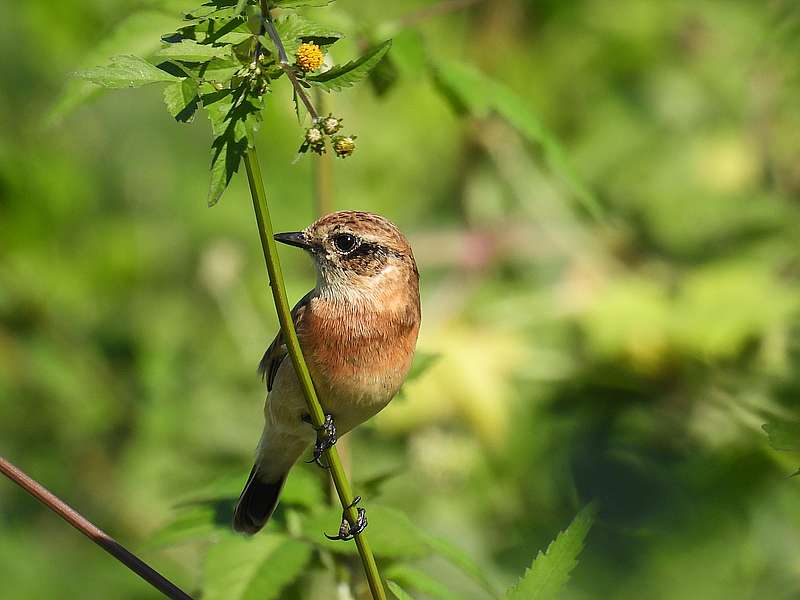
[90,530]
[283,60]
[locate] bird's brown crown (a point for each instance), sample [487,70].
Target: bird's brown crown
[355,245]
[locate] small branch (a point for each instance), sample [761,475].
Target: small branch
[275,273]
[283,59]
[94,533]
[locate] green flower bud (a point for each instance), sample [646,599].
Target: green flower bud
[344,145]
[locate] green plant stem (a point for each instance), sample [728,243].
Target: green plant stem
[273,264]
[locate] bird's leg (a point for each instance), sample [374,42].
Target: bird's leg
[326,438]
[346,531]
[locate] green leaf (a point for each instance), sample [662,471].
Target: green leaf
[783,435]
[411,577]
[232,124]
[191,51]
[391,533]
[219,70]
[550,571]
[253,568]
[345,75]
[473,92]
[399,592]
[294,29]
[139,34]
[182,99]
[126,71]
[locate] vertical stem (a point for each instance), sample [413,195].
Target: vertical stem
[273,264]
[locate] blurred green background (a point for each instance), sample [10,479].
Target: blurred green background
[630,359]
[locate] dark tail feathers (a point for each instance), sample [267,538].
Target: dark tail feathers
[257,503]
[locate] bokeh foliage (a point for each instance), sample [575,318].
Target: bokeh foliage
[606,230]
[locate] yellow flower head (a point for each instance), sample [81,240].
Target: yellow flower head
[309,57]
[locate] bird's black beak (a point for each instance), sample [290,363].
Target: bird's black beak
[294,238]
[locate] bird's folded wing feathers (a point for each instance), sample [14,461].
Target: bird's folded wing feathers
[277,351]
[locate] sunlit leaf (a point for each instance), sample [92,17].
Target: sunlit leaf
[550,571]
[191,51]
[139,33]
[182,99]
[294,29]
[126,71]
[343,76]
[233,124]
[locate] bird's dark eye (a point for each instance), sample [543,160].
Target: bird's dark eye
[344,242]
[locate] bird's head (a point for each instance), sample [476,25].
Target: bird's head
[356,254]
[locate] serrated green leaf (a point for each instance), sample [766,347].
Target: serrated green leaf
[126,71]
[232,124]
[253,568]
[391,533]
[137,34]
[399,592]
[350,73]
[218,70]
[783,435]
[419,580]
[471,91]
[191,51]
[182,99]
[550,571]
[294,29]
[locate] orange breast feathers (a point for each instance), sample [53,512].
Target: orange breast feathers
[357,352]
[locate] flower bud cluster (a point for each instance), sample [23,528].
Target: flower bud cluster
[256,74]
[324,127]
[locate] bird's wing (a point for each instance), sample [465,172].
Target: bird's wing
[277,351]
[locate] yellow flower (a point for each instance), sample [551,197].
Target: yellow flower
[309,57]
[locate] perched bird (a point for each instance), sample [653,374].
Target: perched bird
[357,329]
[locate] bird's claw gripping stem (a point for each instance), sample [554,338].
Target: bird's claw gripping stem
[326,438]
[346,531]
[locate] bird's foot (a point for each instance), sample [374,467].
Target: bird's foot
[346,530]
[326,438]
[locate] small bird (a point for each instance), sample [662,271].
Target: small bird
[358,331]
